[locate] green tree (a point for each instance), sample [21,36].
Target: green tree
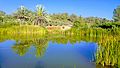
[22,14]
[116,14]
[41,16]
[2,15]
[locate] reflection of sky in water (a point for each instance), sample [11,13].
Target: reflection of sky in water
[56,56]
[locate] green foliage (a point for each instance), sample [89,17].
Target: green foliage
[59,19]
[116,14]
[24,16]
[41,17]
[109,25]
[2,15]
[76,24]
[40,10]
[22,11]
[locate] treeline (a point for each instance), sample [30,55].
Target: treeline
[24,16]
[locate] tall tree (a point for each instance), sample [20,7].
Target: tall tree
[116,14]
[23,14]
[41,16]
[2,15]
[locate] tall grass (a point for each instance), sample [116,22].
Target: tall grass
[23,29]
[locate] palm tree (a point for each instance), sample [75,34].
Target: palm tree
[22,14]
[41,16]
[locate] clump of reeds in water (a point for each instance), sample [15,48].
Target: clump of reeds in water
[108,53]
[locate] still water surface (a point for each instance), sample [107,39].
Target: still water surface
[53,55]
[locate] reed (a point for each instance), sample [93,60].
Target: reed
[29,29]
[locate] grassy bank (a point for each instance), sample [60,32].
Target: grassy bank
[29,29]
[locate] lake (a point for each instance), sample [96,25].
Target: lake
[55,56]
[50,51]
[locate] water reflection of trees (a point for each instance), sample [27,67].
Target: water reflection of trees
[40,42]
[23,47]
[41,46]
[25,41]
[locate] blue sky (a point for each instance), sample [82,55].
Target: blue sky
[85,8]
